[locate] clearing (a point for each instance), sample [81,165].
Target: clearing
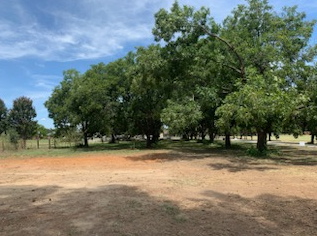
[160,192]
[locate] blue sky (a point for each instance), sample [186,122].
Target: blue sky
[40,39]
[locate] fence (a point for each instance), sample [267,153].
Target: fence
[36,144]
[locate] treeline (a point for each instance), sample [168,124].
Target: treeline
[253,73]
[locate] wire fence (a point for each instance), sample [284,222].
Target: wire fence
[50,143]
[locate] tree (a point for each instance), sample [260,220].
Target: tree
[119,93]
[21,118]
[89,102]
[210,62]
[308,115]
[260,103]
[148,92]
[275,49]
[253,43]
[3,116]
[80,101]
[58,104]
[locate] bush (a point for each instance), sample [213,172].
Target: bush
[266,153]
[256,153]
[10,140]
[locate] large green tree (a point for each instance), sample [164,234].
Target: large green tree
[148,92]
[58,104]
[254,43]
[274,48]
[260,103]
[80,101]
[21,118]
[195,54]
[119,93]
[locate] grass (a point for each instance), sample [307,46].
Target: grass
[241,150]
[285,138]
[120,148]
[290,138]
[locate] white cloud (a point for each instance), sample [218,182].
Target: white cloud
[46,81]
[94,29]
[88,29]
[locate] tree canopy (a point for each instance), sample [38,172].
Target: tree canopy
[251,72]
[21,117]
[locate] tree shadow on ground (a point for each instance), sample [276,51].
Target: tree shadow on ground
[235,166]
[218,160]
[127,210]
[293,155]
[236,156]
[189,150]
[173,145]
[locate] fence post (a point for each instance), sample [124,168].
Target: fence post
[38,139]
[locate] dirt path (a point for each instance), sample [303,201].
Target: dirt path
[156,194]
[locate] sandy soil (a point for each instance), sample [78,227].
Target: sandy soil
[156,194]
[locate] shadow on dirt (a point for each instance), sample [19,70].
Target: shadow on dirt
[298,156]
[235,166]
[125,210]
[237,155]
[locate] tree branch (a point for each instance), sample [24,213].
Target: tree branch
[232,48]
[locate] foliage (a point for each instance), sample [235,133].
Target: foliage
[41,131]
[308,115]
[13,137]
[182,117]
[251,73]
[3,116]
[147,93]
[57,104]
[21,117]
[119,93]
[274,49]
[80,101]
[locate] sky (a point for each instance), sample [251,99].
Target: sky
[39,39]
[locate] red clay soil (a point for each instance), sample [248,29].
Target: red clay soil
[156,194]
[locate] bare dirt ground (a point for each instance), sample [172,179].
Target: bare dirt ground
[159,193]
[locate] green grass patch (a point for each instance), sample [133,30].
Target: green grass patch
[290,138]
[116,148]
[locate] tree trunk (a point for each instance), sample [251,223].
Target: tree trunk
[211,136]
[85,139]
[148,141]
[156,136]
[113,138]
[270,134]
[227,141]
[262,141]
[185,137]
[312,140]
[24,143]
[85,132]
